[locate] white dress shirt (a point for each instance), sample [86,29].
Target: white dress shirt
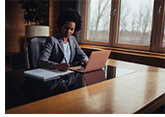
[67,52]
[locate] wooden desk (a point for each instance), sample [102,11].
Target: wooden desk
[139,92]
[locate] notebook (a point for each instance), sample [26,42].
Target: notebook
[96,61]
[45,74]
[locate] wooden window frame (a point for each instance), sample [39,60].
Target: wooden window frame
[116,30]
[82,5]
[156,43]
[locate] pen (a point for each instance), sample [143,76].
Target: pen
[65,60]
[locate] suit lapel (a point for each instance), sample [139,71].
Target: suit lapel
[60,43]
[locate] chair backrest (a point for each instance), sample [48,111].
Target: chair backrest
[34,48]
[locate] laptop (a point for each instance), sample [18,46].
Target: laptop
[96,61]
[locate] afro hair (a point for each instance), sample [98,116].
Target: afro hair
[69,15]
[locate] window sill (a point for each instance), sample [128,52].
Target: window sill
[124,51]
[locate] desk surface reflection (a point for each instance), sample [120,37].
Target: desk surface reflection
[21,90]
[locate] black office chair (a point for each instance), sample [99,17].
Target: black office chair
[34,48]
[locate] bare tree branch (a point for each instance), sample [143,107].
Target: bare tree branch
[100,13]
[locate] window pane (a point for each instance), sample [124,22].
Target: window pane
[163,44]
[135,21]
[98,20]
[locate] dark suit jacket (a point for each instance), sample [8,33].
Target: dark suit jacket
[53,51]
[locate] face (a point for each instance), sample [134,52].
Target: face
[68,29]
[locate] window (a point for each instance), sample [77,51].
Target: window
[98,20]
[135,21]
[133,24]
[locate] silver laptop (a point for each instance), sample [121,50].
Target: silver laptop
[96,61]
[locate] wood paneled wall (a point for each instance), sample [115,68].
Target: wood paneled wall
[15,27]
[54,12]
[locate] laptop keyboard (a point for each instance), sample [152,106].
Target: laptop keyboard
[82,69]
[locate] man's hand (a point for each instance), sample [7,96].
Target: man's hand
[62,66]
[84,63]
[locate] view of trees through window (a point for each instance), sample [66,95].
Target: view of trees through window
[128,24]
[135,21]
[134,26]
[98,20]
